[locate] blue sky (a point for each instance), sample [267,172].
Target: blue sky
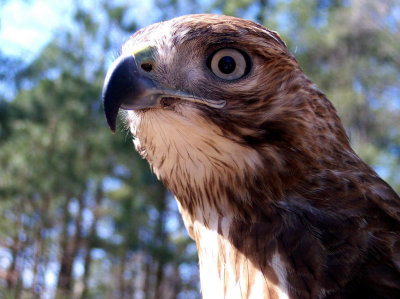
[27,26]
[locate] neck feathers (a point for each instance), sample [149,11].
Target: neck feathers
[225,271]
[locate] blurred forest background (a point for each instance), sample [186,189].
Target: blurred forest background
[81,216]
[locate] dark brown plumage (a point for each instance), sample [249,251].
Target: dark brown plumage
[259,162]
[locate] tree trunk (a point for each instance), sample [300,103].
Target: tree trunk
[86,273]
[39,246]
[121,279]
[69,252]
[12,273]
[88,243]
[35,289]
[161,238]
[176,282]
[147,272]
[21,264]
[131,283]
[159,278]
[13,276]
[63,283]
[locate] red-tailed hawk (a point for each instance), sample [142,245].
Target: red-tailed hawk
[278,203]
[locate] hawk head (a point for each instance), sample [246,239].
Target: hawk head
[208,95]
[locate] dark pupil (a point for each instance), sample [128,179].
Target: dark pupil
[226,64]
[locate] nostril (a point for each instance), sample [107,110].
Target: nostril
[147,67]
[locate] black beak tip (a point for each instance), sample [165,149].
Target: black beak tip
[116,84]
[112,124]
[110,111]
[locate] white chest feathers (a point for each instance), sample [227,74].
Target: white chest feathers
[227,273]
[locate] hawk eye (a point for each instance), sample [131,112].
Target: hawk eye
[229,64]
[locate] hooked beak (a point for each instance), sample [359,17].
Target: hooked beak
[127,88]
